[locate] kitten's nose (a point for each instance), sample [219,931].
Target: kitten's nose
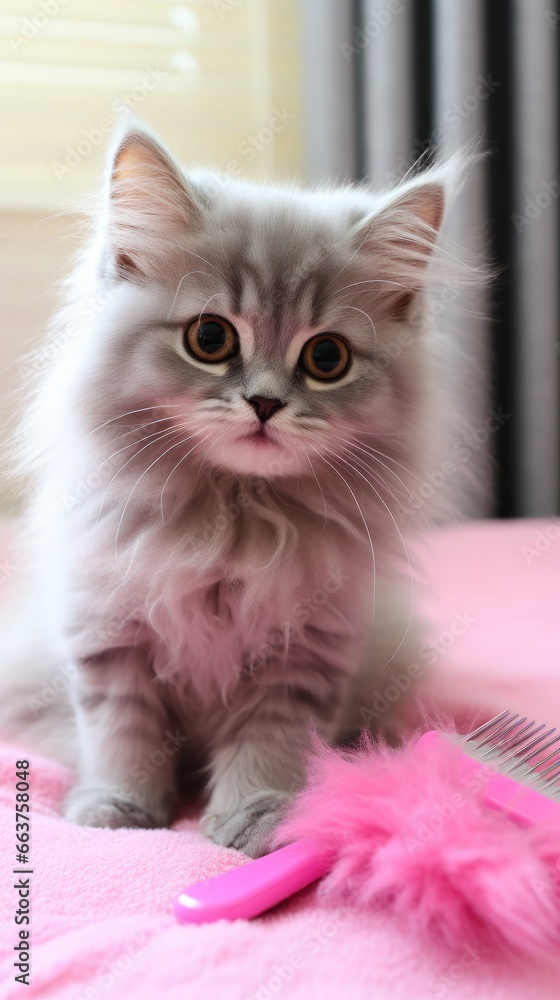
[265,407]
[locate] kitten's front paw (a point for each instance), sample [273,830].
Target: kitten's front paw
[250,827]
[104,807]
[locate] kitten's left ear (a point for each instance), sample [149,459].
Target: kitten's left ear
[399,239]
[150,208]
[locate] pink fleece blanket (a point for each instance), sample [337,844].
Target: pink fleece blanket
[101,920]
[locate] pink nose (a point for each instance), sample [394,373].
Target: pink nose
[264,407]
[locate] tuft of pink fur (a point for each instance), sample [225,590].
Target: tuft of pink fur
[403,831]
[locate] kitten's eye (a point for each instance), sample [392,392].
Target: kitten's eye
[211,339]
[325,356]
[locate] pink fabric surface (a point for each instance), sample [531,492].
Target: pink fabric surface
[505,576]
[102,925]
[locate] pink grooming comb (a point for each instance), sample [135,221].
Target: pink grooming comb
[507,745]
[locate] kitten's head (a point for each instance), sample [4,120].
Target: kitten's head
[267,325]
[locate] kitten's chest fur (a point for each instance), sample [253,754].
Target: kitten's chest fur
[218,598]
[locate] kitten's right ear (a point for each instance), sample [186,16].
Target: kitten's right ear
[399,238]
[150,208]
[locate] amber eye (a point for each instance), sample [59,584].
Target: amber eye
[325,356]
[211,339]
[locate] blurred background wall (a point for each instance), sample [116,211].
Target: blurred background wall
[311,89]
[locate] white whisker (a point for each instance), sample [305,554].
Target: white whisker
[145,472]
[406,552]
[392,491]
[164,435]
[174,469]
[355,308]
[366,526]
[205,304]
[177,290]
[375,452]
[127,413]
[321,490]
[372,281]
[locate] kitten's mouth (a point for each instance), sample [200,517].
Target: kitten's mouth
[260,451]
[259,437]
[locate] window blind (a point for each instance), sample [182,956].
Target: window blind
[219,80]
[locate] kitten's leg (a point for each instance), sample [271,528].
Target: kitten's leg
[260,765]
[127,757]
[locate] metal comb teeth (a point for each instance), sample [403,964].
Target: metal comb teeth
[514,743]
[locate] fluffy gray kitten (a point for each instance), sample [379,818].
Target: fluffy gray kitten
[219,455]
